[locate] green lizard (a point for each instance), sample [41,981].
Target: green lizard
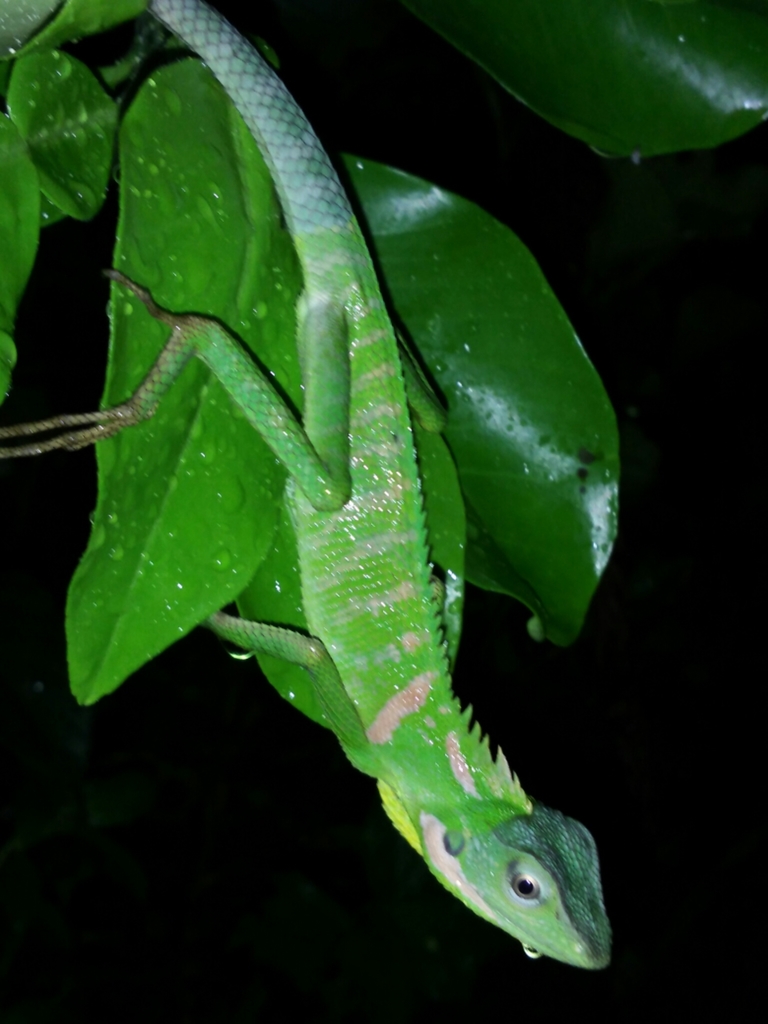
[375,652]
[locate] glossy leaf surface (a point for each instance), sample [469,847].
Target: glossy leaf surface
[530,425]
[68,122]
[632,77]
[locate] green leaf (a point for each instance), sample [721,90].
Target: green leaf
[69,123]
[74,20]
[8,357]
[624,77]
[530,426]
[188,501]
[18,21]
[19,233]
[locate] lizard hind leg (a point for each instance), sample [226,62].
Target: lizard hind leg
[309,653]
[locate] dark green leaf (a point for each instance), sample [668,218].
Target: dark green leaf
[69,123]
[530,425]
[625,77]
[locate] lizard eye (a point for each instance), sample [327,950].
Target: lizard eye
[453,843]
[524,885]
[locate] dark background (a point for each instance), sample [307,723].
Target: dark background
[193,849]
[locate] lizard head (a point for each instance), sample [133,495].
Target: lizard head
[536,876]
